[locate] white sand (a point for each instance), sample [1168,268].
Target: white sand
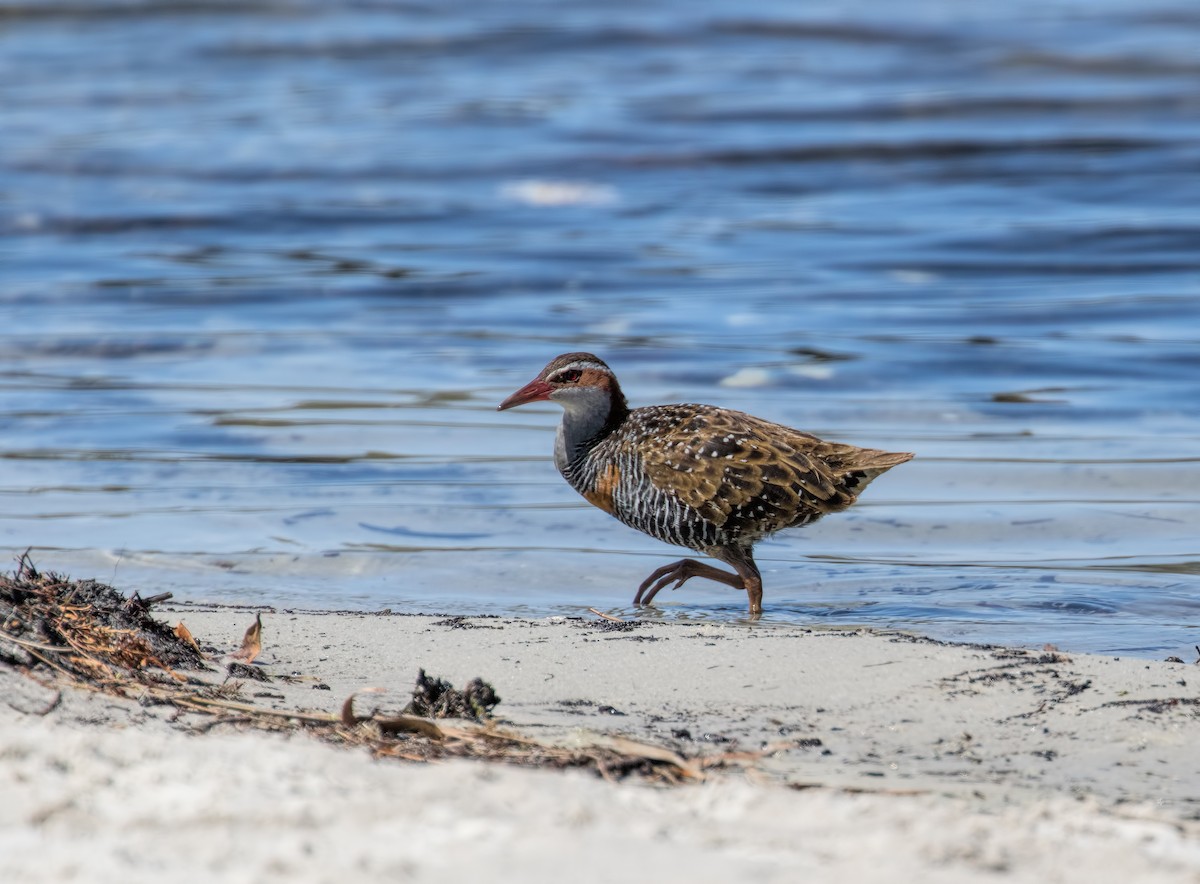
[976,765]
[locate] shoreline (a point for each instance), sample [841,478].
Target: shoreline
[861,753]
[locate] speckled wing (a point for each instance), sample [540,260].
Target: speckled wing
[739,471]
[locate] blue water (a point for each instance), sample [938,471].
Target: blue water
[266,268]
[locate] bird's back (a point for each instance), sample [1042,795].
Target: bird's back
[705,477]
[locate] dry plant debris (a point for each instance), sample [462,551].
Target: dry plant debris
[437,698]
[87,631]
[89,635]
[251,642]
[185,635]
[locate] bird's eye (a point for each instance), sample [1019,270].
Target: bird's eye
[568,377]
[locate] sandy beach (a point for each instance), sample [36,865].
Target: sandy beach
[854,756]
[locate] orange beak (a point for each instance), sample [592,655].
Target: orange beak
[535,391]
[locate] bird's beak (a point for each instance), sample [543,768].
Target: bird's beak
[535,391]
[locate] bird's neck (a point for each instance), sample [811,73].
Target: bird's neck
[589,417]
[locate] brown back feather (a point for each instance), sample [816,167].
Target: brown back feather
[734,467]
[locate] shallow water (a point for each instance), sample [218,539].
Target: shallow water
[266,268]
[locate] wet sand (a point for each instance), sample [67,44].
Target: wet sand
[862,755]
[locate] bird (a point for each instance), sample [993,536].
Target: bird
[706,478]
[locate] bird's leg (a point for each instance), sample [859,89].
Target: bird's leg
[679,573]
[742,561]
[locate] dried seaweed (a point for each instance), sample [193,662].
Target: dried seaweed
[414,738]
[94,637]
[437,698]
[243,670]
[86,629]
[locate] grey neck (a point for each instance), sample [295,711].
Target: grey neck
[587,413]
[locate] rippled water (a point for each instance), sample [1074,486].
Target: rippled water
[266,268]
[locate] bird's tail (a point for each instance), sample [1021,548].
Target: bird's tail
[870,464]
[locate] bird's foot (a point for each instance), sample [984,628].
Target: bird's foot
[679,573]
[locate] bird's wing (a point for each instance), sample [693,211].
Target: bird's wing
[731,466]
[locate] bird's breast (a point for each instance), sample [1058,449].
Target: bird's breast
[601,490]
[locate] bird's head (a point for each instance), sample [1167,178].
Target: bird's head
[576,381]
